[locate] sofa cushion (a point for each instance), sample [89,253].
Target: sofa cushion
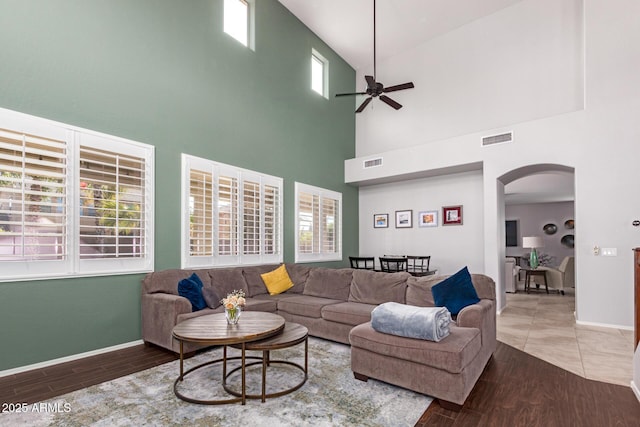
[184,316]
[256,304]
[275,298]
[419,290]
[305,305]
[371,287]
[452,354]
[166,281]
[349,313]
[227,280]
[299,273]
[485,286]
[277,281]
[211,297]
[255,284]
[455,292]
[329,283]
[191,289]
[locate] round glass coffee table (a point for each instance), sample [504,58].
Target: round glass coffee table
[213,329]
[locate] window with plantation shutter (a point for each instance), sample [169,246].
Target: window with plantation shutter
[251,218]
[272,233]
[33,197]
[68,205]
[227,215]
[112,204]
[200,213]
[318,224]
[238,210]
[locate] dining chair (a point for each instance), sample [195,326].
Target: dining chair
[393,264]
[418,265]
[362,263]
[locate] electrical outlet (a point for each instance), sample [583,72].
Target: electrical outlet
[609,251]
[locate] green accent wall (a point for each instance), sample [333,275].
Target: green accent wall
[164,73]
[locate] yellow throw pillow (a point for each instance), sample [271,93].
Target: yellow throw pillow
[277,281]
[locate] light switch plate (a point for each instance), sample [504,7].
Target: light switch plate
[609,251]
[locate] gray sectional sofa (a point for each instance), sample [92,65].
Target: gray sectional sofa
[336,304]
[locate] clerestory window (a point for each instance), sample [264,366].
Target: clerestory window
[238,21]
[319,74]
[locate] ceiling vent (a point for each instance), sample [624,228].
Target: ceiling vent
[497,139]
[372,163]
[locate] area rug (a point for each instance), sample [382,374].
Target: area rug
[330,397]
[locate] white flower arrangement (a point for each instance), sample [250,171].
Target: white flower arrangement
[234,300]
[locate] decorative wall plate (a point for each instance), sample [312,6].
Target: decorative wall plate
[567,240]
[568,224]
[550,229]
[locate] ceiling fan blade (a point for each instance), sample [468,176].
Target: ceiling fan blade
[349,94]
[390,102]
[371,82]
[363,105]
[399,87]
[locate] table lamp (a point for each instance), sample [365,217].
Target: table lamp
[532,242]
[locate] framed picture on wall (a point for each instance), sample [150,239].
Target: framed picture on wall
[404,219]
[452,215]
[380,220]
[428,219]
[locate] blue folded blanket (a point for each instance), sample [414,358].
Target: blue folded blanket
[425,323]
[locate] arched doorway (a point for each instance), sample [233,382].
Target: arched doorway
[533,175]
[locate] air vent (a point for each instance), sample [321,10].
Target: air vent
[372,163]
[497,139]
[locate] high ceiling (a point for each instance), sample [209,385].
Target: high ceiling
[347,25]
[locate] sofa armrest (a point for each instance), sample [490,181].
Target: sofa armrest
[482,316]
[159,315]
[471,316]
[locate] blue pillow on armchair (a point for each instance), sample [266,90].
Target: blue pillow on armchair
[455,292]
[191,289]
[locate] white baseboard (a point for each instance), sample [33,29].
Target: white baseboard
[604,325]
[47,363]
[635,389]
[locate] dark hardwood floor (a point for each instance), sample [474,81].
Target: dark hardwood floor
[46,383]
[516,389]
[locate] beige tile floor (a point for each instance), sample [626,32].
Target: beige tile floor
[544,326]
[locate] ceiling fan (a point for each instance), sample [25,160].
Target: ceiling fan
[375,88]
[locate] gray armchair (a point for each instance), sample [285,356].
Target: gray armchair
[563,276]
[511,271]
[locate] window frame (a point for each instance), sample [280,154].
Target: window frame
[322,194]
[242,176]
[318,57]
[71,265]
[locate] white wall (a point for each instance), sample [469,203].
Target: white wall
[532,217]
[451,247]
[600,142]
[522,63]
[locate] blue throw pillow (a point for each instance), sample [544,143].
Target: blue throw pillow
[191,289]
[455,292]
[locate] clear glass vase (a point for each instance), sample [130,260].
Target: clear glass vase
[232,315]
